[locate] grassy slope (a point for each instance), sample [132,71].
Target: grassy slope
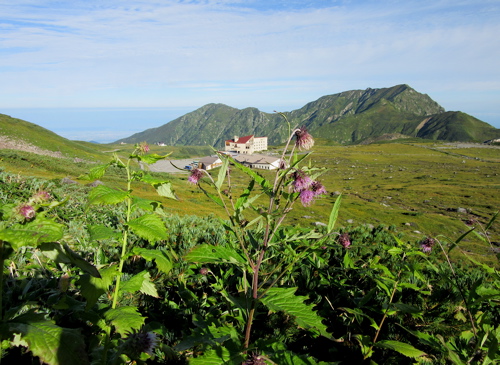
[412,185]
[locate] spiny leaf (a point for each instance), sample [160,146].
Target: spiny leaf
[149,227]
[284,299]
[214,254]
[150,158]
[97,172]
[145,204]
[125,319]
[63,254]
[104,195]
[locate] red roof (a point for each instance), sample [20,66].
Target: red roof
[241,140]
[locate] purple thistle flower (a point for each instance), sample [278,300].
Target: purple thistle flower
[345,240]
[304,140]
[318,188]
[426,244]
[300,181]
[195,176]
[139,342]
[306,197]
[27,211]
[143,147]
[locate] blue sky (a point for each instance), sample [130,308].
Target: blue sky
[81,68]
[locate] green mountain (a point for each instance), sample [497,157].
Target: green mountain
[348,117]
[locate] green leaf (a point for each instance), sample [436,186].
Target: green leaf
[401,347]
[101,232]
[33,233]
[97,172]
[103,195]
[161,258]
[149,227]
[222,173]
[150,158]
[214,254]
[54,345]
[165,189]
[125,319]
[92,288]
[284,299]
[145,204]
[255,176]
[140,282]
[334,214]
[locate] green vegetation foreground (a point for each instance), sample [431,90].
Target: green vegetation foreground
[119,279]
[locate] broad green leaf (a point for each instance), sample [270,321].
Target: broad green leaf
[145,204]
[149,227]
[150,158]
[214,198]
[161,258]
[283,356]
[334,214]
[140,282]
[104,195]
[284,299]
[125,319]
[33,233]
[401,347]
[92,288]
[348,263]
[101,232]
[222,173]
[54,345]
[214,254]
[165,189]
[97,172]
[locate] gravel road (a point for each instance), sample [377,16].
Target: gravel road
[166,166]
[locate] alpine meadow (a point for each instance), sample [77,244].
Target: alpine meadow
[366,233]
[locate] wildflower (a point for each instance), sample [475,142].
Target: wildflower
[139,342]
[304,140]
[306,197]
[282,164]
[427,244]
[204,271]
[40,197]
[27,211]
[195,176]
[345,240]
[318,188]
[255,359]
[142,147]
[300,181]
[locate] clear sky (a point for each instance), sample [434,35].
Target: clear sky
[83,67]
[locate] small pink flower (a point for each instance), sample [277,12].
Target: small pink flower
[304,140]
[143,147]
[306,197]
[345,240]
[195,176]
[426,244]
[27,211]
[318,188]
[300,181]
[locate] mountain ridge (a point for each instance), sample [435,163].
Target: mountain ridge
[347,117]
